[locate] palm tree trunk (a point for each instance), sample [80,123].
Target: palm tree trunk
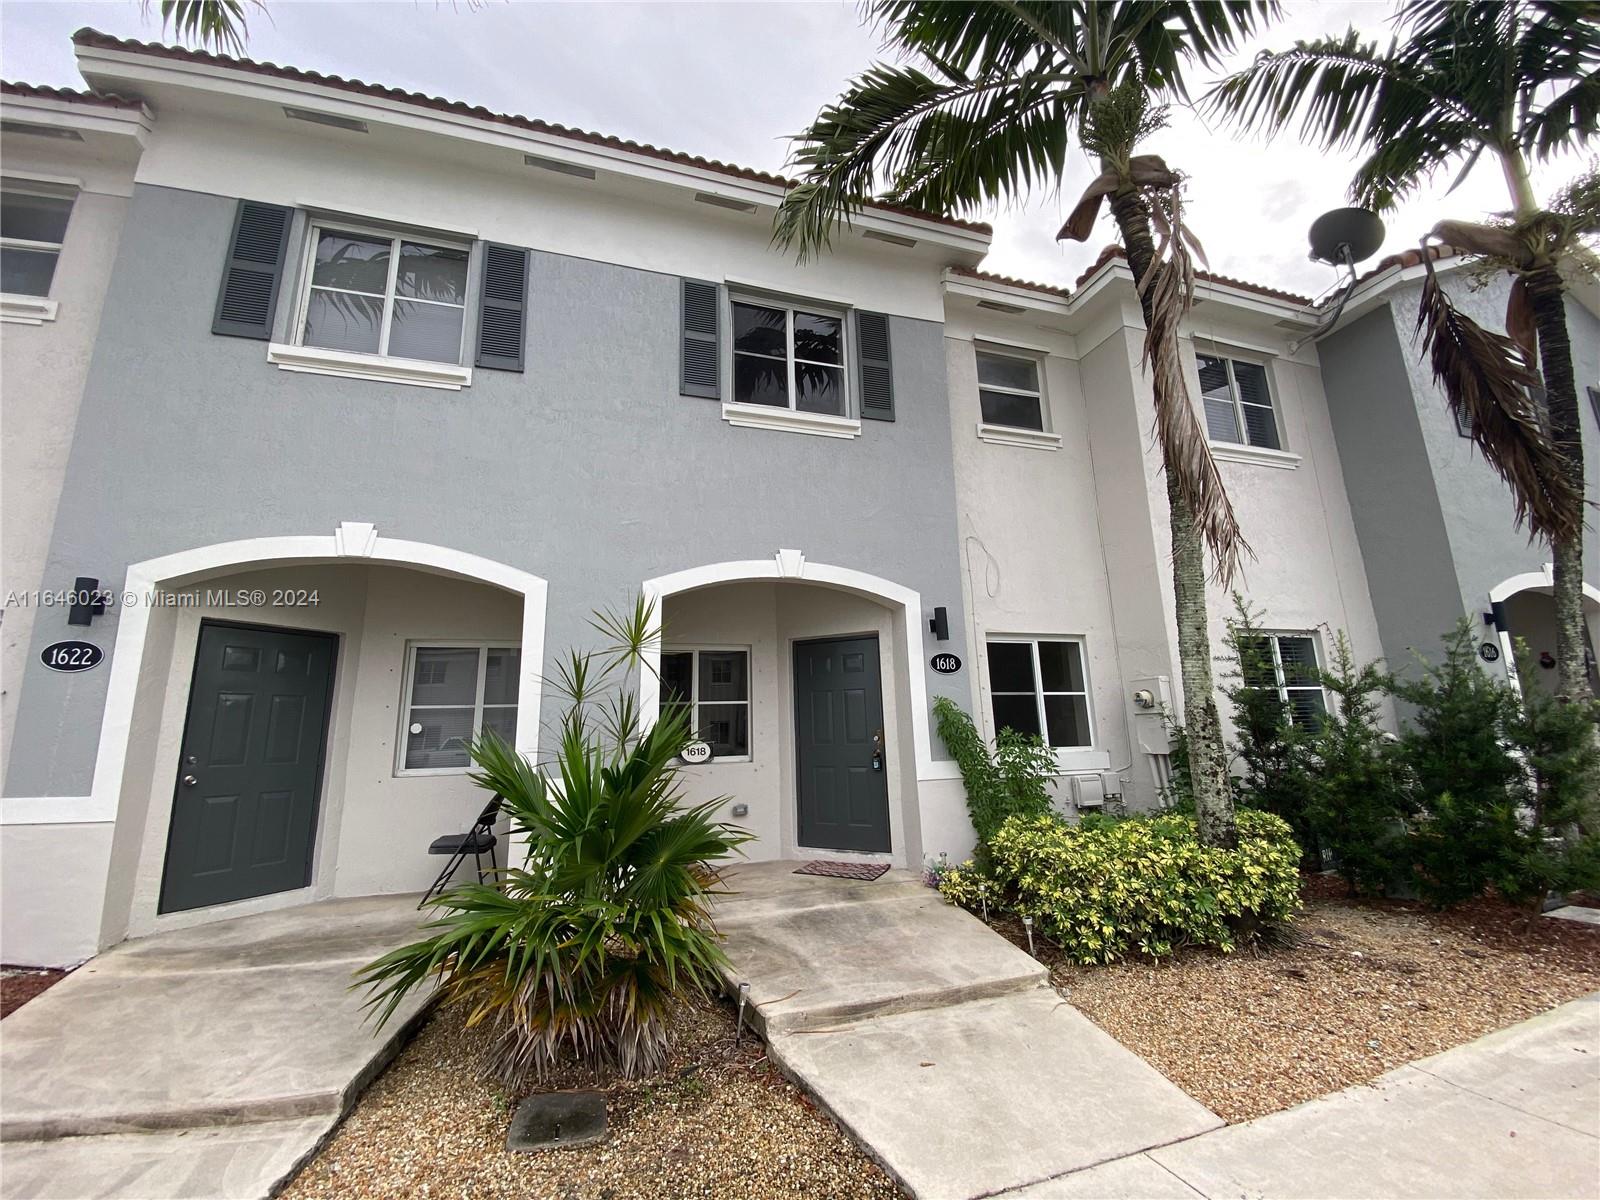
[1547,295]
[1208,764]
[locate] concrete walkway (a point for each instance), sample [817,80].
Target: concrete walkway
[934,1041]
[208,1062]
[1514,1114]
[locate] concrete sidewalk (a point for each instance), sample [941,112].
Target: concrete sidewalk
[933,1040]
[208,1062]
[1514,1114]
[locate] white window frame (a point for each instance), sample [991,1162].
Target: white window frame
[1244,448]
[695,702]
[315,227]
[1283,686]
[770,416]
[403,735]
[1039,693]
[24,308]
[1044,438]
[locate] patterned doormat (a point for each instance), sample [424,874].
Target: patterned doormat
[844,870]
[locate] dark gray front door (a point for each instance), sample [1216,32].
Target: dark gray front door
[838,704]
[245,811]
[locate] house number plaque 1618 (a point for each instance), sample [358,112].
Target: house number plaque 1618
[945,664]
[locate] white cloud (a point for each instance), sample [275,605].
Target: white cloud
[731,81]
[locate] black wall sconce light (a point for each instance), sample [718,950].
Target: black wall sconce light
[939,623]
[88,601]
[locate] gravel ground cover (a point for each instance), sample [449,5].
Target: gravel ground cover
[718,1121]
[1359,989]
[18,985]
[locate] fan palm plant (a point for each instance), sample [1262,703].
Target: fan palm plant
[1520,82]
[986,110]
[581,952]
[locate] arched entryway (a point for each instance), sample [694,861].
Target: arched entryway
[361,662]
[1523,607]
[807,679]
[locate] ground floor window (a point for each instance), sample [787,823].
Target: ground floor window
[1038,685]
[713,687]
[1287,663]
[453,691]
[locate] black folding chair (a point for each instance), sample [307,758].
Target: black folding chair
[477,841]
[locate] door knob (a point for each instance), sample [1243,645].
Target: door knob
[189,781]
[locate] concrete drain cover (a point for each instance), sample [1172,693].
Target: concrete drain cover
[557,1120]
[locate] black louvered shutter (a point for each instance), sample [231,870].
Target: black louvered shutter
[699,374]
[254,271]
[502,311]
[875,369]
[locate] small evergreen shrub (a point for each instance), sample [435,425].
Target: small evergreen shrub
[1139,885]
[1463,775]
[1358,796]
[1012,780]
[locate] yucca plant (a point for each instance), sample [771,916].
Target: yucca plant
[581,951]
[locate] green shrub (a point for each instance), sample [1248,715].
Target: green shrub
[1358,795]
[581,951]
[1140,885]
[1463,775]
[1557,847]
[1279,767]
[1013,780]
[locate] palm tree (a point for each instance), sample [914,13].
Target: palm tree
[1519,81]
[989,111]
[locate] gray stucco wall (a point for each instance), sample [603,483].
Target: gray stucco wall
[1396,508]
[1484,544]
[589,470]
[1435,520]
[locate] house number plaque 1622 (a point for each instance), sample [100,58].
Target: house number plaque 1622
[71,656]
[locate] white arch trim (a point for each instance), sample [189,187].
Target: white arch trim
[792,565]
[352,541]
[1536,581]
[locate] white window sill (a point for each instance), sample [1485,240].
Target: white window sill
[761,416]
[26,310]
[425,772]
[313,360]
[1229,452]
[1010,435]
[717,762]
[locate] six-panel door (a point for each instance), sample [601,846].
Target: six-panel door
[839,751]
[244,813]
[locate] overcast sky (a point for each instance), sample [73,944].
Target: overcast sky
[731,81]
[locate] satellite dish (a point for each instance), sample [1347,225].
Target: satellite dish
[1346,236]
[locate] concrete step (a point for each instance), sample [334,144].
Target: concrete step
[970,1100]
[824,965]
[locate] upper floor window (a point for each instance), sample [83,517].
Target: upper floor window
[1009,392]
[33,224]
[789,357]
[395,296]
[1287,663]
[452,693]
[1039,686]
[1238,402]
[713,688]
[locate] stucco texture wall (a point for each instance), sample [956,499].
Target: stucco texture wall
[589,470]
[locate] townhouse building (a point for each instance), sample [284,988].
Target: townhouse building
[360,402]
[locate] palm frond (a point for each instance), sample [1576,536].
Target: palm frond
[221,25]
[1186,452]
[1488,386]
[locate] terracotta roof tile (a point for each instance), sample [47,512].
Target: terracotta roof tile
[1008,281]
[94,38]
[38,91]
[1409,258]
[1113,252]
